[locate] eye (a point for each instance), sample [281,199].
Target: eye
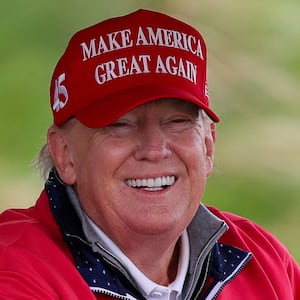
[121,128]
[178,123]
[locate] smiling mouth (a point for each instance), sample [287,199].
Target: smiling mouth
[151,184]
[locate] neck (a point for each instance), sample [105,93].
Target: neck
[156,256]
[157,263]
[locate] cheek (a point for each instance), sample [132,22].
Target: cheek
[99,163]
[193,155]
[194,151]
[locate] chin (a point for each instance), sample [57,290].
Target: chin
[160,224]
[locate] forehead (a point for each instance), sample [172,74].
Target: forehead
[167,104]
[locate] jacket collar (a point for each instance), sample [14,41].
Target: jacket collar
[98,266]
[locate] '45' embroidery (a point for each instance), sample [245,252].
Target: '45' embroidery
[60,93]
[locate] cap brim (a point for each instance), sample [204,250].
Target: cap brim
[110,108]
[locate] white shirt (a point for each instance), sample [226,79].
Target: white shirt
[150,289]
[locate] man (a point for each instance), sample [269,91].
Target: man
[129,152]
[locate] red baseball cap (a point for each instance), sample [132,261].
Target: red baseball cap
[116,65]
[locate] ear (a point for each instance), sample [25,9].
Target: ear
[210,140]
[60,152]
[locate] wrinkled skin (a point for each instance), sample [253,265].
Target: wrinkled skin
[160,138]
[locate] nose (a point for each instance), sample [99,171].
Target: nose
[152,144]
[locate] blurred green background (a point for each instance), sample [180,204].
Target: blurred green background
[254,73]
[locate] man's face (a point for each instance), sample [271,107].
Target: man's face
[143,174]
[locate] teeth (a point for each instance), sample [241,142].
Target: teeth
[151,183]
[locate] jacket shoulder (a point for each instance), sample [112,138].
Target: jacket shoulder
[281,273]
[14,223]
[34,259]
[248,232]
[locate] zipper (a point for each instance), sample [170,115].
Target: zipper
[77,238]
[221,230]
[205,275]
[116,264]
[108,293]
[222,285]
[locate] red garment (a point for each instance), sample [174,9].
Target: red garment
[271,274]
[35,263]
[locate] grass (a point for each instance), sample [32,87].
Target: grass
[254,72]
